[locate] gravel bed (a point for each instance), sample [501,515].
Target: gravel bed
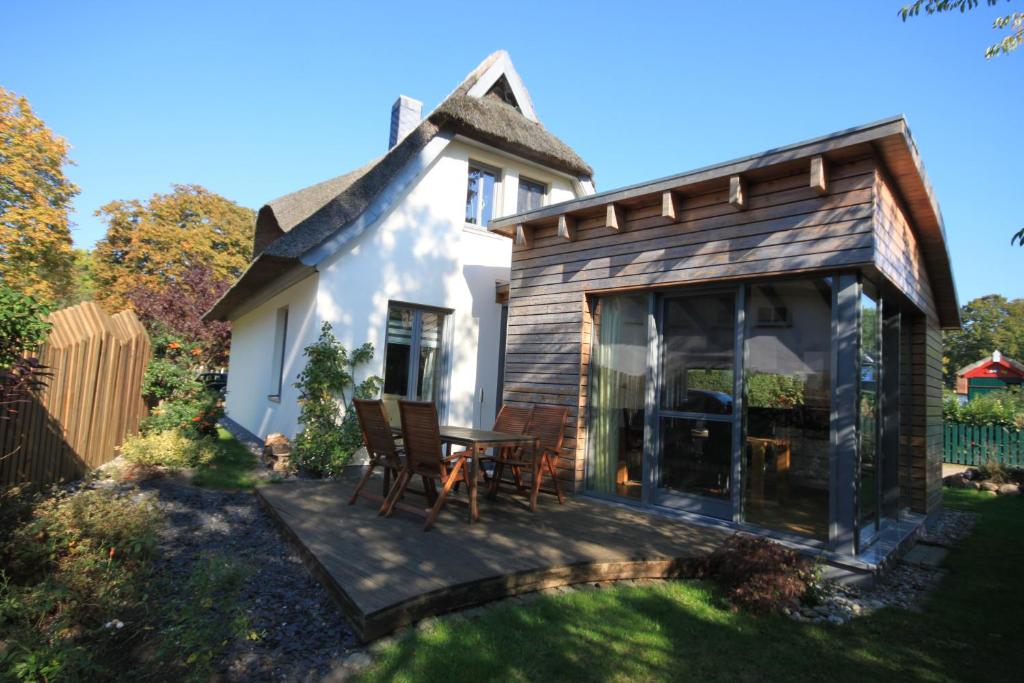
[303,634]
[902,585]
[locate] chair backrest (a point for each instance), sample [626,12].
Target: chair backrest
[377,433]
[547,423]
[512,419]
[421,435]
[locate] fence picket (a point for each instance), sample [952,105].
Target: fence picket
[92,400]
[965,444]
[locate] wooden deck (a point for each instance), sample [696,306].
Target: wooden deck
[386,573]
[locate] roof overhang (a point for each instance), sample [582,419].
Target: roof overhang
[889,139]
[265,277]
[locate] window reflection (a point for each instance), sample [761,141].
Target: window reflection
[787,404]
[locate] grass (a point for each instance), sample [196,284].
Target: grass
[682,630]
[233,466]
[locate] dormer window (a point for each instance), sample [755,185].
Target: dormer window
[480,194]
[531,195]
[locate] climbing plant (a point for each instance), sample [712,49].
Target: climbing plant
[330,431]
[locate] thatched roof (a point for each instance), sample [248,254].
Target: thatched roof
[496,123]
[290,226]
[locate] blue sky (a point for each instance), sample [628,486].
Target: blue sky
[253,100]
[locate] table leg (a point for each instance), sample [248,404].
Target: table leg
[474,474]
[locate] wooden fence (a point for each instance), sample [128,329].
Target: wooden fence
[92,400]
[965,444]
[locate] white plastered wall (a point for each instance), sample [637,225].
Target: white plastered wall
[422,252]
[251,379]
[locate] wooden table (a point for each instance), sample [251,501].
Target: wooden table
[476,441]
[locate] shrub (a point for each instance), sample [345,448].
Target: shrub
[168,448]
[330,432]
[167,379]
[78,563]
[195,417]
[23,325]
[768,390]
[760,575]
[999,408]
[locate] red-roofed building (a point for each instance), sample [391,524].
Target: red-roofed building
[994,373]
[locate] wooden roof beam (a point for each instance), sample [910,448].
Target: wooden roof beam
[523,236]
[566,228]
[738,192]
[671,205]
[615,217]
[819,175]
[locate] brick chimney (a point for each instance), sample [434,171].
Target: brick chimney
[405,116]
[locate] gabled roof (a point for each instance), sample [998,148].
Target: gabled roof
[491,105]
[1003,360]
[889,138]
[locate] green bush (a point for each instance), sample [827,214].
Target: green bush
[166,380]
[999,408]
[194,416]
[769,390]
[77,564]
[169,448]
[23,325]
[330,432]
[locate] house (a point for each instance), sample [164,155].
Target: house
[397,253]
[994,373]
[755,343]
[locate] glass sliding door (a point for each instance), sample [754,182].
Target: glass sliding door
[693,464]
[617,396]
[787,380]
[413,356]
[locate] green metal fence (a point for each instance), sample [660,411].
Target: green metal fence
[965,444]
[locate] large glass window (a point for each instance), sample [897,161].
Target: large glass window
[480,194]
[413,356]
[618,376]
[785,461]
[698,351]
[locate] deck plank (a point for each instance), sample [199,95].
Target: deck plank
[386,573]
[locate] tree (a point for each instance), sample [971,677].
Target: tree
[83,281]
[35,196]
[153,244]
[178,310]
[1014,21]
[990,323]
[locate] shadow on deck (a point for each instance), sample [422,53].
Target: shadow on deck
[386,573]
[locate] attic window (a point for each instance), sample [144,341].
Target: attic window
[501,90]
[531,195]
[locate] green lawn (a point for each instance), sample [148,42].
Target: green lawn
[681,630]
[234,466]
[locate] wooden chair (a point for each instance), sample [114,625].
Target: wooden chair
[547,425]
[380,445]
[513,420]
[422,438]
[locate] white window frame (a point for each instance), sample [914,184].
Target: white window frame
[278,354]
[495,193]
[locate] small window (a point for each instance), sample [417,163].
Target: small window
[480,194]
[277,359]
[531,195]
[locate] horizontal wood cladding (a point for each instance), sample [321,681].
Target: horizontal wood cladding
[898,254]
[786,226]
